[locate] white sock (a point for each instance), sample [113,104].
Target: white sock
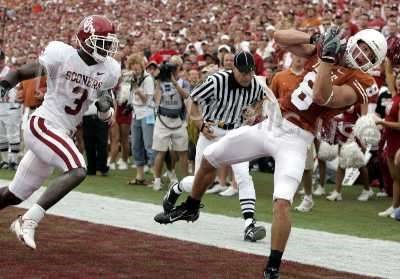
[35,213]
[247,222]
[157,180]
[12,157]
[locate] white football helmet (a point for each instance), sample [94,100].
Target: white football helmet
[376,42]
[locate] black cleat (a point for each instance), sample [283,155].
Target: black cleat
[181,212]
[13,166]
[271,273]
[170,198]
[253,233]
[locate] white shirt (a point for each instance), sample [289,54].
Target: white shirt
[72,85]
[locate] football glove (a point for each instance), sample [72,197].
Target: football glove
[104,101]
[329,45]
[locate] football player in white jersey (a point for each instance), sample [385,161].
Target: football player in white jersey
[75,79]
[10,120]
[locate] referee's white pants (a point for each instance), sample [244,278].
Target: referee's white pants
[240,170]
[285,142]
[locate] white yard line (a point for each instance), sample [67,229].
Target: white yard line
[333,251]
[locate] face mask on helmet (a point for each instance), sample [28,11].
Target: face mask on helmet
[365,50]
[102,46]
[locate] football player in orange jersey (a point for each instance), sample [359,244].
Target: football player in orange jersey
[334,79]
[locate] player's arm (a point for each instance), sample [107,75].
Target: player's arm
[297,42]
[325,94]
[24,72]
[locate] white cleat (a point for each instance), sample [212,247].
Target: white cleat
[229,192]
[387,213]
[320,191]
[334,196]
[365,195]
[306,205]
[25,231]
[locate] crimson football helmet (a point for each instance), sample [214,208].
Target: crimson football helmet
[96,36]
[394,50]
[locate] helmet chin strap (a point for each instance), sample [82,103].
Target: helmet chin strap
[96,57]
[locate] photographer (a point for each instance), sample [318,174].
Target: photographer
[141,101]
[170,127]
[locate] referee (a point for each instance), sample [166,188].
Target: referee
[216,106]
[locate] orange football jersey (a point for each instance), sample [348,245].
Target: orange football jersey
[299,107]
[284,83]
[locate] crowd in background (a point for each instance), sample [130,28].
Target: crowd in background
[197,38]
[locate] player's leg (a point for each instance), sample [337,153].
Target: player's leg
[30,175]
[185,185]
[287,176]
[56,149]
[307,202]
[227,151]
[247,199]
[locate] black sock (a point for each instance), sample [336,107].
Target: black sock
[192,204]
[274,260]
[248,215]
[172,196]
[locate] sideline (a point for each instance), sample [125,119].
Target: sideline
[334,251]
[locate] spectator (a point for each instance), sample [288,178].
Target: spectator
[170,126]
[141,88]
[95,133]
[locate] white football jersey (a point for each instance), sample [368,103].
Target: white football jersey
[72,85]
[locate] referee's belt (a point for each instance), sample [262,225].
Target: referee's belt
[223,125]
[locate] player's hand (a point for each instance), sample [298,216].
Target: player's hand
[207,130]
[329,45]
[104,101]
[314,38]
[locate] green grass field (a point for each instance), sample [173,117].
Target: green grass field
[349,216]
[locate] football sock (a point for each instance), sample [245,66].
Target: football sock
[274,260]
[176,189]
[35,213]
[192,204]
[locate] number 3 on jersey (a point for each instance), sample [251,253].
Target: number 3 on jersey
[302,96]
[82,95]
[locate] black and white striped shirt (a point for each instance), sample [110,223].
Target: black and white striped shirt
[221,98]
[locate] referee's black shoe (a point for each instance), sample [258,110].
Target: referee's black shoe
[181,212]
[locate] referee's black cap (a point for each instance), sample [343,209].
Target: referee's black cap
[244,62]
